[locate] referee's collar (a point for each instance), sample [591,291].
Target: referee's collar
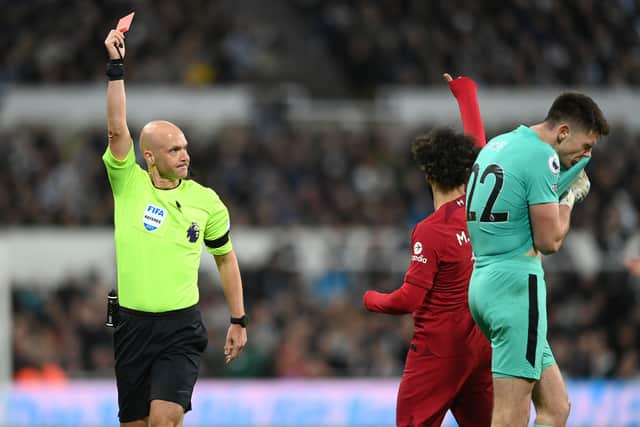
[165,189]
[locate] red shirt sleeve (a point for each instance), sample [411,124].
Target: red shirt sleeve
[418,280]
[405,299]
[466,92]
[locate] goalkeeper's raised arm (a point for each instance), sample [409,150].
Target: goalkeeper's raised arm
[119,136]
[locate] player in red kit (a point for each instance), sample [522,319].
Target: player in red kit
[448,366]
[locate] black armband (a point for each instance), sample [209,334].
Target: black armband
[115,69]
[219,242]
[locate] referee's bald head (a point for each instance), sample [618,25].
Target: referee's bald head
[157,133]
[164,148]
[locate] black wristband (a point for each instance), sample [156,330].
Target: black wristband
[115,69]
[242,321]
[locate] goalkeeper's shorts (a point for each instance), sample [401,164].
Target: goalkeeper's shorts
[508,302]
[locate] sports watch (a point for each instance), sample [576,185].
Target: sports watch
[242,321]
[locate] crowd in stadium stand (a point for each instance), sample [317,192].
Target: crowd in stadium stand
[289,175]
[192,42]
[282,177]
[371,43]
[329,177]
[295,332]
[514,43]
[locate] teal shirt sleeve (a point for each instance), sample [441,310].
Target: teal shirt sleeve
[119,171]
[567,176]
[542,178]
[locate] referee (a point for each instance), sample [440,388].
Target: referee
[161,220]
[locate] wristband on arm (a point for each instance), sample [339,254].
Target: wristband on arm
[242,321]
[115,69]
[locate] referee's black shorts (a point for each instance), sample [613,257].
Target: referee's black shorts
[157,356]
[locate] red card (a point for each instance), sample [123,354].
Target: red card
[125,22]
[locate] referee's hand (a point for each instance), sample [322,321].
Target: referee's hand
[235,342]
[115,44]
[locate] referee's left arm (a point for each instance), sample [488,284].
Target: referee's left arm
[232,288]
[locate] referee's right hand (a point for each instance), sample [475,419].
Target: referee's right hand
[115,44]
[235,342]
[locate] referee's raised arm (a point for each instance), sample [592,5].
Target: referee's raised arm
[119,136]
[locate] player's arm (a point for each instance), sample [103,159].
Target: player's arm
[405,299]
[551,221]
[465,91]
[232,287]
[418,280]
[119,136]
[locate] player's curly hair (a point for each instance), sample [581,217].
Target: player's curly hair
[446,157]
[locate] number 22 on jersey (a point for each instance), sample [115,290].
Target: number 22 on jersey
[488,215]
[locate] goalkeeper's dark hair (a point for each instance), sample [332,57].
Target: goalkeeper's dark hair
[446,157]
[579,110]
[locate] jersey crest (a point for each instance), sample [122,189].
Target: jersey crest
[554,164]
[193,232]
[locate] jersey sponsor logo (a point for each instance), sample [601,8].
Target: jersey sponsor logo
[193,232]
[554,164]
[462,238]
[417,248]
[153,217]
[419,258]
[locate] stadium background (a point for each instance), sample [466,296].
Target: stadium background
[300,113]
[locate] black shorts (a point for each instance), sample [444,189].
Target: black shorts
[157,356]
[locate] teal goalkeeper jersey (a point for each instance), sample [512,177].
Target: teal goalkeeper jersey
[159,236]
[514,170]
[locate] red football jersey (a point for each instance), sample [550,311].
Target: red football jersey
[442,262]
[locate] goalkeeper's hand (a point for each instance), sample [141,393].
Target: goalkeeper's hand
[578,190]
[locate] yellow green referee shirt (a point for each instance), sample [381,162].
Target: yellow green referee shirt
[159,236]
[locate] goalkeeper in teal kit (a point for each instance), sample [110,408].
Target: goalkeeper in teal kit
[515,213]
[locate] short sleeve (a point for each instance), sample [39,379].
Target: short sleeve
[119,171]
[423,264]
[216,235]
[542,177]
